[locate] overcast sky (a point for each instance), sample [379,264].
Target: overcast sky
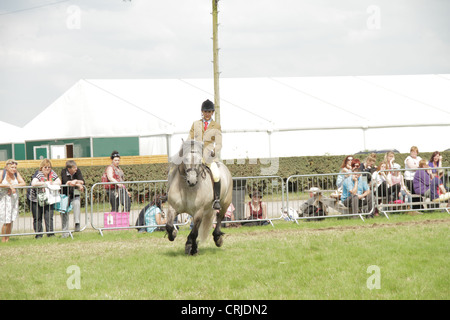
[46,46]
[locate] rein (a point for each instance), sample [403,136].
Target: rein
[195,151]
[200,170]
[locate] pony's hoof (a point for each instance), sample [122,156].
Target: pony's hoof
[171,234]
[218,238]
[190,251]
[219,242]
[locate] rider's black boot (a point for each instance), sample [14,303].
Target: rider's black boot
[216,204]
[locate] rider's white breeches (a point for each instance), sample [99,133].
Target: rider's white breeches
[215,171]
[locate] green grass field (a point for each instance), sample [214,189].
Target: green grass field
[313,260]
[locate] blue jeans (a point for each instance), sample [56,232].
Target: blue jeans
[433,191]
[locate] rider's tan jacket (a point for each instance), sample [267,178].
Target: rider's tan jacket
[212,139]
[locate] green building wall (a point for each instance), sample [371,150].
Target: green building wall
[19,151]
[81,147]
[6,151]
[102,147]
[127,146]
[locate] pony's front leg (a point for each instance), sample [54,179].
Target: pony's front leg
[170,229]
[217,234]
[191,246]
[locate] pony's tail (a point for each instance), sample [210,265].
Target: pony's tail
[205,227]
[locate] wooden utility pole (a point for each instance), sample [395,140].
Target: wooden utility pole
[216,62]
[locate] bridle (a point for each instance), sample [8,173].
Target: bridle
[199,169]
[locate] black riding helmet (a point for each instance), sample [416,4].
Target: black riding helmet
[207,105]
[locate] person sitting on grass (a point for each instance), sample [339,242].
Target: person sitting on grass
[256,209]
[152,215]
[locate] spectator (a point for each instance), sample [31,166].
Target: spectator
[152,215]
[45,176]
[369,166]
[356,192]
[9,199]
[118,193]
[72,177]
[444,190]
[346,167]
[411,162]
[380,181]
[398,184]
[389,159]
[256,209]
[355,164]
[229,215]
[314,206]
[435,161]
[426,184]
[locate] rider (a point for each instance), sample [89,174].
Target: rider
[210,133]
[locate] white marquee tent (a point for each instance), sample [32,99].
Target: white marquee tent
[260,117]
[10,133]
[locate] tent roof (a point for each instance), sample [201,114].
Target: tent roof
[126,107]
[10,133]
[87,110]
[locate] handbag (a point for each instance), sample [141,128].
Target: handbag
[105,179]
[53,193]
[64,206]
[49,196]
[42,199]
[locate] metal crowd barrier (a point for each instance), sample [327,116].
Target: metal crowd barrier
[316,197]
[395,194]
[301,197]
[114,203]
[25,223]
[270,188]
[119,207]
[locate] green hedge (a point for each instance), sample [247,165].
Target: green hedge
[286,167]
[248,168]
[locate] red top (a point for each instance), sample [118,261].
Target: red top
[255,214]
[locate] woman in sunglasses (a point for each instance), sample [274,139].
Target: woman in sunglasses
[44,177]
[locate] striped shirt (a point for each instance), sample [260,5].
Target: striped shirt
[32,196]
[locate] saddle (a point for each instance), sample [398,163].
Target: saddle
[209,172]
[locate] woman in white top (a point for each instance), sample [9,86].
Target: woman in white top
[396,179]
[380,181]
[411,162]
[9,199]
